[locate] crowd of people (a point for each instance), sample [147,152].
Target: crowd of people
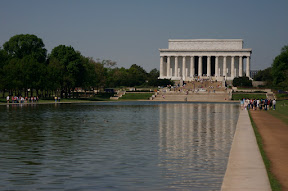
[20,99]
[260,104]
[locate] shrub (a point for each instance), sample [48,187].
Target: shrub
[242,81]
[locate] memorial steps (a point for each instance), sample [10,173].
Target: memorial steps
[202,97]
[205,91]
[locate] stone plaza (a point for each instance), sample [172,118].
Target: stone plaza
[214,59]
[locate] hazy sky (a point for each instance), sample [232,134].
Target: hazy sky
[131,31]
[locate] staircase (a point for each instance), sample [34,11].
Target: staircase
[119,94]
[270,95]
[203,96]
[206,91]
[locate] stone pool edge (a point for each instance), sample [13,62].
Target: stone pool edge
[245,168]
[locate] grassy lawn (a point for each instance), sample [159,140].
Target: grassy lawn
[238,96]
[282,96]
[281,111]
[275,185]
[136,96]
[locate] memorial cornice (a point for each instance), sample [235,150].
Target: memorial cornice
[204,50]
[205,40]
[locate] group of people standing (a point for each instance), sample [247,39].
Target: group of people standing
[264,104]
[20,99]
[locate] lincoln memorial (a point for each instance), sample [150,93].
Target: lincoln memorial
[215,59]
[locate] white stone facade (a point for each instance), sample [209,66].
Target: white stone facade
[217,59]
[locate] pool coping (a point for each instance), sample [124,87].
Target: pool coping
[245,168]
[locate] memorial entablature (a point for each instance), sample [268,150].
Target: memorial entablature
[215,59]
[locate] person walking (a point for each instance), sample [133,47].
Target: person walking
[274,104]
[265,103]
[8,99]
[258,102]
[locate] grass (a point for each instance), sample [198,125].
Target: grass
[136,96]
[275,185]
[282,96]
[238,96]
[281,111]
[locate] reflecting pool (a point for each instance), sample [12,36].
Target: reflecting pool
[116,146]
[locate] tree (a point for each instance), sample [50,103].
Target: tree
[3,62]
[25,63]
[32,74]
[108,63]
[118,77]
[242,81]
[22,45]
[13,75]
[136,75]
[153,77]
[280,69]
[67,66]
[264,75]
[95,73]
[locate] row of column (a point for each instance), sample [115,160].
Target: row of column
[200,72]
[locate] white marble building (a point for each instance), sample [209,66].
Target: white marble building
[219,59]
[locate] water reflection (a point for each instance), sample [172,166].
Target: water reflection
[195,139]
[115,146]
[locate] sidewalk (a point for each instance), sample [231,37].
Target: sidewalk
[245,169]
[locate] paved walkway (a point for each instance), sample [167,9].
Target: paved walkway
[246,170]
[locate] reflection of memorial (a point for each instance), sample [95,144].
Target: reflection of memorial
[196,139]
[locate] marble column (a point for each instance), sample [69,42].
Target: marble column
[176,66]
[208,66]
[224,67]
[168,66]
[248,66]
[240,66]
[161,66]
[192,68]
[217,66]
[232,67]
[184,68]
[200,66]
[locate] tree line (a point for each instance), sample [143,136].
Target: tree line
[276,76]
[26,67]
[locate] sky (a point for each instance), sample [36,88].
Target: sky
[132,31]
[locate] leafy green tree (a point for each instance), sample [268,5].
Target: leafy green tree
[89,79]
[55,73]
[66,65]
[3,58]
[13,79]
[265,75]
[118,77]
[153,77]
[22,45]
[25,63]
[280,69]
[242,82]
[3,62]
[101,75]
[33,74]
[136,75]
